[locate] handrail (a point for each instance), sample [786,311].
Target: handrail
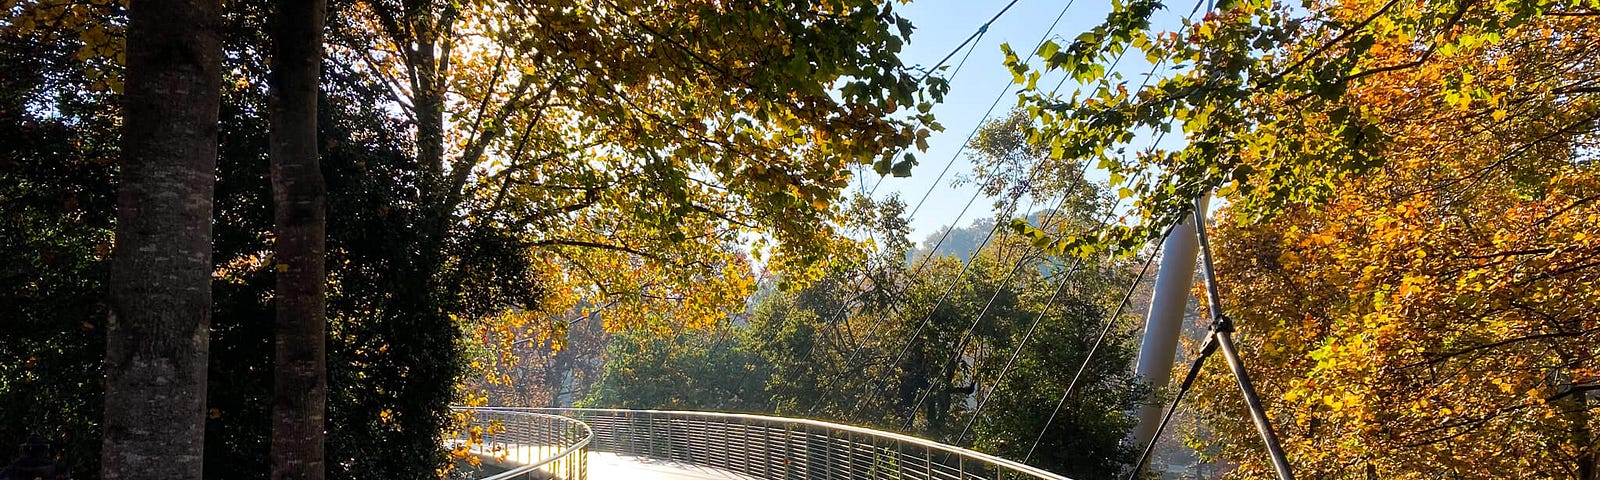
[527,439]
[780,448]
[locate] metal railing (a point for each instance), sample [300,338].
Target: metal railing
[530,445]
[779,448]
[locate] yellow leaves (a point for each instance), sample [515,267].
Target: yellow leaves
[474,399]
[1316,239]
[1344,401]
[1288,259]
[1421,294]
[1369,271]
[92,27]
[1411,285]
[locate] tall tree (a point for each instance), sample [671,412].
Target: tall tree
[623,143]
[1437,317]
[299,195]
[157,330]
[617,181]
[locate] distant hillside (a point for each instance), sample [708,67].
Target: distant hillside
[962,241]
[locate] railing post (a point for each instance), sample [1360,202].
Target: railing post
[927,462]
[650,434]
[827,444]
[744,448]
[766,450]
[899,460]
[789,448]
[849,454]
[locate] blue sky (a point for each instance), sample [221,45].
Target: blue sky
[941,25]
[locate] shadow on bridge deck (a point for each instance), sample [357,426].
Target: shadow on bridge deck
[600,466]
[604,465]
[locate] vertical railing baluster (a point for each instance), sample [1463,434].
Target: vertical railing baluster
[744,449]
[766,451]
[899,460]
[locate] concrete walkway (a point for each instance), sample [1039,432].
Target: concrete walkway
[602,465]
[608,466]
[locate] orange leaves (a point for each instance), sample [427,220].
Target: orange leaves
[1443,305]
[1444,300]
[1411,285]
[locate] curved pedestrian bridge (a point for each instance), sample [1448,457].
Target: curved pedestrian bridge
[579,444]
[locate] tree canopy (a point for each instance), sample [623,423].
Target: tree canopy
[630,203]
[1438,304]
[1408,188]
[489,165]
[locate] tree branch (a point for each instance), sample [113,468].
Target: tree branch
[1566,209]
[594,245]
[1434,360]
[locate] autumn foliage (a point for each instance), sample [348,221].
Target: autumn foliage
[1436,317]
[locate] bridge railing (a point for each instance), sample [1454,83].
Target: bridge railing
[531,445]
[787,448]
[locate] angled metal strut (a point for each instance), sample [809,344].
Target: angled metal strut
[1220,337]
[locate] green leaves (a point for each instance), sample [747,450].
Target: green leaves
[902,168]
[1018,68]
[1048,50]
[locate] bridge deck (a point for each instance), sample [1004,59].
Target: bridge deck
[604,465]
[672,445]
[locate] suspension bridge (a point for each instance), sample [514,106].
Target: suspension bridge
[564,443]
[578,444]
[558,443]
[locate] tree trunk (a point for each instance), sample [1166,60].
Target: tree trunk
[299,196]
[157,332]
[1588,449]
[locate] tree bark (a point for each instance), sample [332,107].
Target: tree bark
[299,197]
[160,301]
[1578,412]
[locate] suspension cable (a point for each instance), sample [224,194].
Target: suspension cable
[953,157]
[911,415]
[1111,321]
[976,35]
[1095,347]
[977,319]
[970,39]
